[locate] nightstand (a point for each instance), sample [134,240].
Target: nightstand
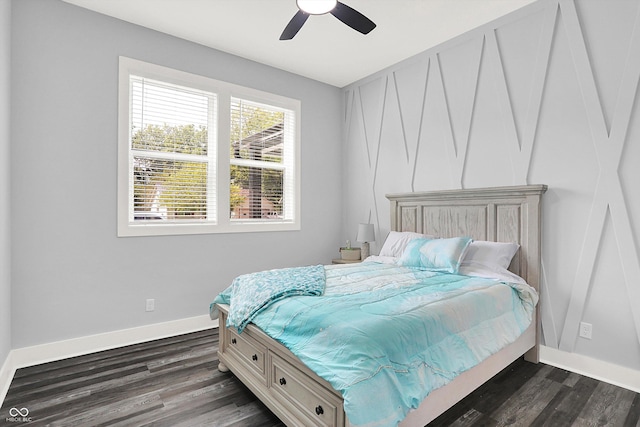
[345,261]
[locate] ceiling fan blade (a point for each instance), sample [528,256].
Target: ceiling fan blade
[353,18]
[294,25]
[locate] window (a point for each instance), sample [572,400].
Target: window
[176,175]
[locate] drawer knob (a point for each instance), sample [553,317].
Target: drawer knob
[233,341]
[283,381]
[319,410]
[254,357]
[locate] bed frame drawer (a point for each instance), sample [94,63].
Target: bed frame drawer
[311,402]
[247,349]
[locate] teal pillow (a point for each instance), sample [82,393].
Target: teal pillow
[441,255]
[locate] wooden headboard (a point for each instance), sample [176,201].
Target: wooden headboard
[500,214]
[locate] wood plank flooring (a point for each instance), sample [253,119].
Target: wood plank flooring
[175,382]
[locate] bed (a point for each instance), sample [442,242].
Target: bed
[301,397]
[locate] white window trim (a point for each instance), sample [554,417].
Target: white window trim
[224,91]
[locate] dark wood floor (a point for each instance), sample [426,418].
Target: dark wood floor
[175,382]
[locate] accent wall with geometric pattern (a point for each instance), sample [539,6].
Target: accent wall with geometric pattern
[545,95]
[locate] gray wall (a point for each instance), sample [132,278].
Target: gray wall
[546,95]
[5,242]
[71,275]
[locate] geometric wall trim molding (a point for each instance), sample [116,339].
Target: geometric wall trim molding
[608,196]
[545,95]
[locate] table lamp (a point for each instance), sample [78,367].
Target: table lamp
[365,235]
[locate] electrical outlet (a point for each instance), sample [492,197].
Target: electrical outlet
[151,304]
[586,330]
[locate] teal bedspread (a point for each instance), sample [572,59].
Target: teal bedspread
[385,336]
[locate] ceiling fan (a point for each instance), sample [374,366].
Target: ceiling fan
[346,14]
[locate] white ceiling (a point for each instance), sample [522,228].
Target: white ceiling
[325,49]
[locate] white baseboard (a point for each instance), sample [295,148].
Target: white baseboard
[6,375]
[593,368]
[43,353]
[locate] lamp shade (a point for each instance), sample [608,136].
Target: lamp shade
[365,233]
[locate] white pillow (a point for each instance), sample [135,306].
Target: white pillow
[489,272]
[382,259]
[396,242]
[490,253]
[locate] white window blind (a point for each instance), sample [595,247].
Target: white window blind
[171,165]
[261,162]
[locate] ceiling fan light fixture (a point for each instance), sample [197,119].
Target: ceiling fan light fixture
[316,7]
[344,13]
